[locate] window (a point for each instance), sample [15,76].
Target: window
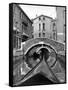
[39,18]
[39,34]
[14,41]
[16,24]
[17,32]
[39,27]
[43,34]
[54,36]
[53,24]
[24,26]
[21,15]
[19,43]
[43,18]
[43,26]
[32,36]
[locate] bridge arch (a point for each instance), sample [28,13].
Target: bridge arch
[56,46]
[47,46]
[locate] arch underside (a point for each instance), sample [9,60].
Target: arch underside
[35,53]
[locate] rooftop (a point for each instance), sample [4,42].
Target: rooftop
[42,15]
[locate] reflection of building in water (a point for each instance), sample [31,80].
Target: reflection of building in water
[61,24]
[42,26]
[22,26]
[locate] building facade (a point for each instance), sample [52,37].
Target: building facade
[60,11]
[22,27]
[42,26]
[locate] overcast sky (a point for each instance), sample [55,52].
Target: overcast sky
[32,11]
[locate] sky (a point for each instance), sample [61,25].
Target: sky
[33,11]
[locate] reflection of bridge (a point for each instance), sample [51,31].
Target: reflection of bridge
[51,68]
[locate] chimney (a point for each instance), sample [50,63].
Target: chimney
[36,15]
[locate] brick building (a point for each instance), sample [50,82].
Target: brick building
[42,26]
[22,27]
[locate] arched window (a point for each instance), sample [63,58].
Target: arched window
[39,26]
[39,18]
[43,18]
[43,26]
[39,34]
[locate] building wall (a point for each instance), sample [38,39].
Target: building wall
[21,24]
[26,25]
[16,27]
[60,24]
[16,18]
[47,30]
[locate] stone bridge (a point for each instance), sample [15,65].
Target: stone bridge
[57,46]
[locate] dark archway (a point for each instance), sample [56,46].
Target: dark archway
[34,54]
[44,53]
